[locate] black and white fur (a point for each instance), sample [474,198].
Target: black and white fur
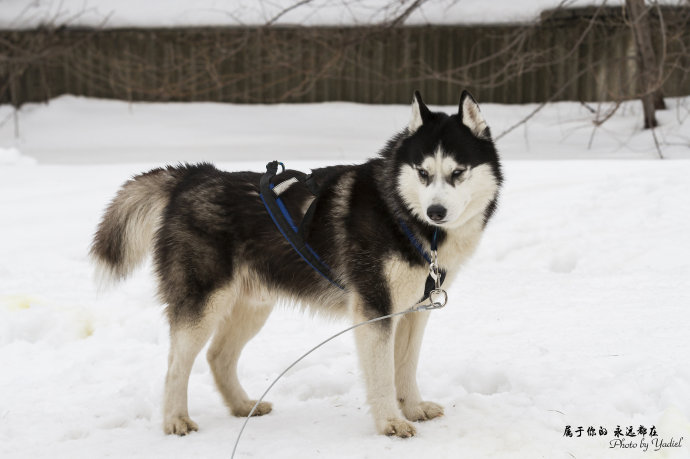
[222,264]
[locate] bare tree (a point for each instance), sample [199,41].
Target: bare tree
[647,67]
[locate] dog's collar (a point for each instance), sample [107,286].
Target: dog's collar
[418,245]
[431,258]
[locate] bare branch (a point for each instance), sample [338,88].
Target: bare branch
[284,11]
[400,20]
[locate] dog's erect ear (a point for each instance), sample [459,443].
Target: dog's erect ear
[471,116]
[420,113]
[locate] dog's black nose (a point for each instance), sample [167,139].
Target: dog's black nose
[436,212]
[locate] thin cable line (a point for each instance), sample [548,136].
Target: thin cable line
[423,307]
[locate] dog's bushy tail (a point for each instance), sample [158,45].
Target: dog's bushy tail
[129,224]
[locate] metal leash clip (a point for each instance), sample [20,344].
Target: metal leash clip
[433,269]
[437,297]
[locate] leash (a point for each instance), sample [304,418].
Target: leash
[270,196]
[437,299]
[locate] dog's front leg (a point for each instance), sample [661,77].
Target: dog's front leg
[408,341]
[375,344]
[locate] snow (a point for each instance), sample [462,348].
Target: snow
[75,130]
[19,14]
[12,156]
[574,311]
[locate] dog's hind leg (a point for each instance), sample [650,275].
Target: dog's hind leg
[408,341]
[186,340]
[232,334]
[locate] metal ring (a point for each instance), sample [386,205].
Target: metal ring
[438,298]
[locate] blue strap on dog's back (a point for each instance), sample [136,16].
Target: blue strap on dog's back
[283,220]
[294,235]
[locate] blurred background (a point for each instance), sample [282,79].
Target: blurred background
[599,54]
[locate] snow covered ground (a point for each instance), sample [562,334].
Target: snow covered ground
[76,130]
[574,311]
[20,14]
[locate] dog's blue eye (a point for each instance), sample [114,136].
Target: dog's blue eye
[423,174]
[457,173]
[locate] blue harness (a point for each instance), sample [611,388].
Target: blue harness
[270,196]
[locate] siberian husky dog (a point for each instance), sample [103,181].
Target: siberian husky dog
[222,263]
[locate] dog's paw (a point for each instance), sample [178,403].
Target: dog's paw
[180,425]
[398,428]
[423,411]
[244,408]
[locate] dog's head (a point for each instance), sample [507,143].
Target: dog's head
[447,168]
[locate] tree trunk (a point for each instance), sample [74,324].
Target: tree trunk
[647,69]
